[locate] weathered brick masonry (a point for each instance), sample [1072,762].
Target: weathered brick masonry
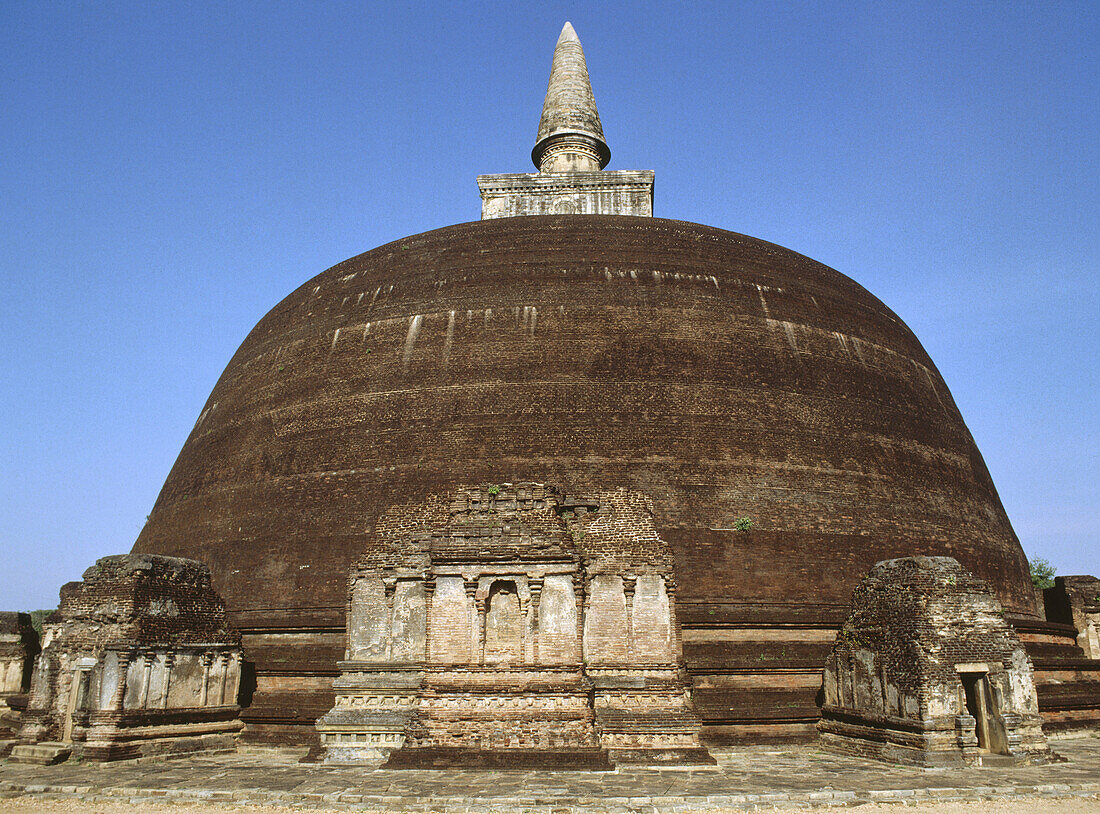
[718,374]
[927,671]
[137,660]
[513,625]
[1067,654]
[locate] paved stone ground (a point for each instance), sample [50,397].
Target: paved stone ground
[750,778]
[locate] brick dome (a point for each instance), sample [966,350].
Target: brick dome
[722,376]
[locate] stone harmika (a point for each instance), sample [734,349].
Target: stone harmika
[138,660]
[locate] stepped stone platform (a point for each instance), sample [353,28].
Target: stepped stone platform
[749,778]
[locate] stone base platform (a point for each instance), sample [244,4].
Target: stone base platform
[443,757]
[751,778]
[167,747]
[662,757]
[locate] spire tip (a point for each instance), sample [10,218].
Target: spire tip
[570,136]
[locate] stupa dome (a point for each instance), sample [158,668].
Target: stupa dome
[723,376]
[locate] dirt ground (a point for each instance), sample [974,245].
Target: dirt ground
[1037,805]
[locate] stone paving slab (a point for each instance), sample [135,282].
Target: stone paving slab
[750,778]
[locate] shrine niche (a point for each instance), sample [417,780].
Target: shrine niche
[514,626]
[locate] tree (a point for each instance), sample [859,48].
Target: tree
[1042,573]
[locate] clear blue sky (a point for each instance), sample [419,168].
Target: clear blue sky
[170,171]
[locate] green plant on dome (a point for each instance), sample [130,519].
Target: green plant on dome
[1042,573]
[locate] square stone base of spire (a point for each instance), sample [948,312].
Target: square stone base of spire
[616,192]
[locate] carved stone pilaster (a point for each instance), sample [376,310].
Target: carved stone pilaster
[146,677]
[204,690]
[535,586]
[225,659]
[389,588]
[583,609]
[429,600]
[482,611]
[118,699]
[677,632]
[169,660]
[470,587]
[629,583]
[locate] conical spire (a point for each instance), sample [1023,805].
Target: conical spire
[570,137]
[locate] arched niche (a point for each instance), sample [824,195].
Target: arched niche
[503,624]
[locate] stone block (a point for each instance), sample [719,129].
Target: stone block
[618,192]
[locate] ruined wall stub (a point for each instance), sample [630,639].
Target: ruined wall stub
[927,671]
[1075,600]
[19,645]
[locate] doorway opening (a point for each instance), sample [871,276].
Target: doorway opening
[982,706]
[79,696]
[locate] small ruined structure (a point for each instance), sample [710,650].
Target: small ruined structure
[18,649]
[137,660]
[1072,701]
[514,626]
[570,153]
[1075,600]
[927,671]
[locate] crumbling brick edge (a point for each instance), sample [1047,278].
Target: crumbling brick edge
[567,804]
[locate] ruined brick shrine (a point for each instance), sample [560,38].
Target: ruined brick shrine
[785,429]
[927,671]
[513,625]
[137,661]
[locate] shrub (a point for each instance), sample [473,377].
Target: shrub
[1042,573]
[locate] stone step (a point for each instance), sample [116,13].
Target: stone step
[998,760]
[43,754]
